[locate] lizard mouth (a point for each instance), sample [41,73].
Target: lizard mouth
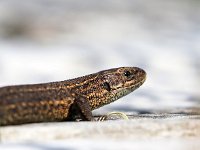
[137,81]
[135,86]
[130,87]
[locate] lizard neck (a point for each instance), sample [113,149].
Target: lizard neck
[107,86]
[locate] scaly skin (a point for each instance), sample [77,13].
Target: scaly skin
[67,100]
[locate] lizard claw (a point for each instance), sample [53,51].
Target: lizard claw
[113,116]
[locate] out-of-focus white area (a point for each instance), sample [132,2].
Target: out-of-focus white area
[47,40]
[105,144]
[141,133]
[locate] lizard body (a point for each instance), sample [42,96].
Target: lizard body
[67,100]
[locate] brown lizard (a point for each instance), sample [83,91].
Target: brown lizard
[67,100]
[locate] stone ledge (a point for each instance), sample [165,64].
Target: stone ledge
[140,127]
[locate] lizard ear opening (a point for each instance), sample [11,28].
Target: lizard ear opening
[106,85]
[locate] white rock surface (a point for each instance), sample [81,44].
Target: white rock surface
[182,132]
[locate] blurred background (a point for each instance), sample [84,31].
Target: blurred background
[48,40]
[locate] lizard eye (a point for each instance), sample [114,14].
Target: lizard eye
[106,85]
[127,73]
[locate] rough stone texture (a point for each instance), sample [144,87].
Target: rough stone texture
[142,127]
[182,131]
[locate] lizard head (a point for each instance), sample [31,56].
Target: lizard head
[110,85]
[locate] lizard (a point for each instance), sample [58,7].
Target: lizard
[67,100]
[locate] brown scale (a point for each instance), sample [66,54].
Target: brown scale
[67,100]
